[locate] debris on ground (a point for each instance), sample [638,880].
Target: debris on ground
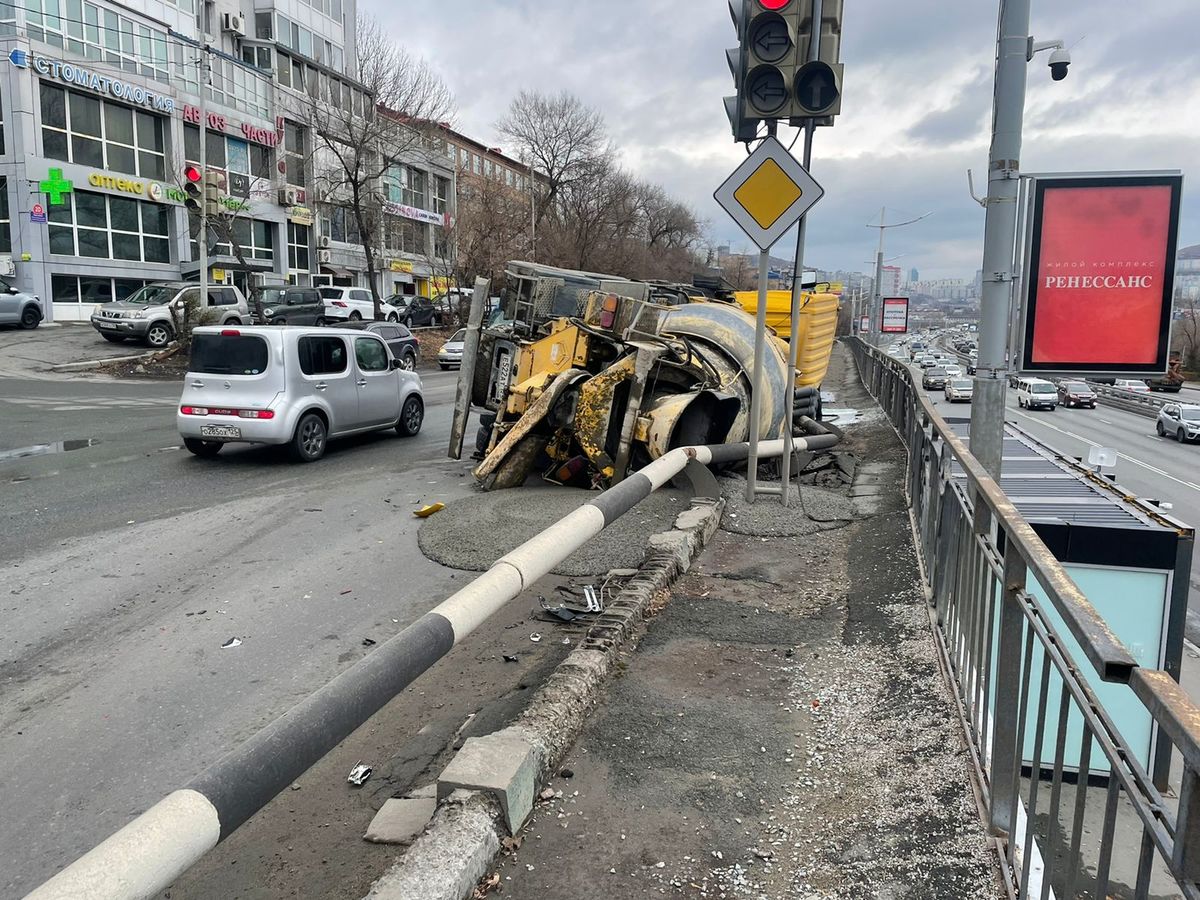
[486,885]
[232,642]
[368,642]
[426,511]
[359,774]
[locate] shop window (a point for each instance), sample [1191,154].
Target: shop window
[85,130]
[83,289]
[293,148]
[98,226]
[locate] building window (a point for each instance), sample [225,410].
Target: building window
[441,245]
[240,161]
[297,247]
[99,34]
[82,289]
[338,223]
[478,164]
[293,150]
[92,132]
[441,194]
[5,223]
[255,240]
[99,226]
[406,236]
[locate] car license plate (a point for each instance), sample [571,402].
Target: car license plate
[220,431]
[109,325]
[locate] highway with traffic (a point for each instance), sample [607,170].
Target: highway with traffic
[1148,466]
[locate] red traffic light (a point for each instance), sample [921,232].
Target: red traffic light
[773,5]
[192,174]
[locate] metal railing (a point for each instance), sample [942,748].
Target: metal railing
[1142,403]
[1073,809]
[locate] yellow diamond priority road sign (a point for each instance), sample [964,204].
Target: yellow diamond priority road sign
[768,193]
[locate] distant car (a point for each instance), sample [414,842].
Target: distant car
[451,354]
[402,342]
[347,304]
[292,386]
[18,307]
[421,312]
[1131,384]
[953,371]
[972,364]
[934,378]
[1033,393]
[960,389]
[1178,420]
[1076,393]
[926,361]
[289,305]
[146,313]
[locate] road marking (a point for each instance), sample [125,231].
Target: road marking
[1105,421]
[1136,462]
[65,404]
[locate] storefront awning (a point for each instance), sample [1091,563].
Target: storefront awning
[335,270]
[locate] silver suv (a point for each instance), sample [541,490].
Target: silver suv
[1180,421]
[19,308]
[299,386]
[146,313]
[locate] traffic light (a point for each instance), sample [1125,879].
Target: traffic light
[744,128]
[193,193]
[212,193]
[771,67]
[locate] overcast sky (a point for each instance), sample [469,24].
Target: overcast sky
[915,113]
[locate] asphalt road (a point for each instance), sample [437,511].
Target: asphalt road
[127,563]
[1148,466]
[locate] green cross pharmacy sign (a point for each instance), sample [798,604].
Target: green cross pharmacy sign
[55,186]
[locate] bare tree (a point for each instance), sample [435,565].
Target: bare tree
[491,228]
[356,141]
[564,138]
[1187,327]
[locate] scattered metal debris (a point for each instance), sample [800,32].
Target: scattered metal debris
[359,774]
[232,642]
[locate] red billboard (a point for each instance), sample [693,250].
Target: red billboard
[895,315]
[1099,273]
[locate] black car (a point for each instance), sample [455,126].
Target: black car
[402,342]
[287,306]
[1076,393]
[420,312]
[934,377]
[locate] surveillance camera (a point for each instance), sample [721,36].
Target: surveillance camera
[1060,59]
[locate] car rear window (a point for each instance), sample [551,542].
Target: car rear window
[331,293]
[229,354]
[961,384]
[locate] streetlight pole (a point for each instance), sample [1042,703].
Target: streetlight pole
[874,321]
[999,233]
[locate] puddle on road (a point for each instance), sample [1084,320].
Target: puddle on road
[46,449]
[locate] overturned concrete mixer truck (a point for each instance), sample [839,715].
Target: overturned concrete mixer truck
[585,377]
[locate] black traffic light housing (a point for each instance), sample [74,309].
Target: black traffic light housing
[193,189]
[771,69]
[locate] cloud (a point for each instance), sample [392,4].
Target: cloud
[915,113]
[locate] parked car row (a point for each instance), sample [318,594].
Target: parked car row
[145,315]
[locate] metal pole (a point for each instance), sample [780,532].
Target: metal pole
[466,369]
[1004,162]
[760,334]
[202,237]
[874,320]
[785,462]
[532,215]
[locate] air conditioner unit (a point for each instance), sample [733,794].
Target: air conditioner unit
[324,256]
[323,241]
[234,24]
[287,196]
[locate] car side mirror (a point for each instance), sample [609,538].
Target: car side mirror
[396,364]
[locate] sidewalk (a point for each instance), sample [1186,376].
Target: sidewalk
[783,730]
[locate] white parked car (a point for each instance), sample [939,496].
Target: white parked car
[351,304]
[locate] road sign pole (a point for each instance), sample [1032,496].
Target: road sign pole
[760,335]
[785,463]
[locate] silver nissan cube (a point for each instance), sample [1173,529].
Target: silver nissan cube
[298,386]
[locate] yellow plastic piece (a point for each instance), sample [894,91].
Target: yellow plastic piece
[426,511]
[818,327]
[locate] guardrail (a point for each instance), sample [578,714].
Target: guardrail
[1004,609]
[1144,404]
[148,854]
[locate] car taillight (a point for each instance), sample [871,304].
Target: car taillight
[230,332]
[227,411]
[340,303]
[256,413]
[194,410]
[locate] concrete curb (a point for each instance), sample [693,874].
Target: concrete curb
[84,364]
[463,838]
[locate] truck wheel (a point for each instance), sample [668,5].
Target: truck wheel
[205,449]
[159,334]
[308,443]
